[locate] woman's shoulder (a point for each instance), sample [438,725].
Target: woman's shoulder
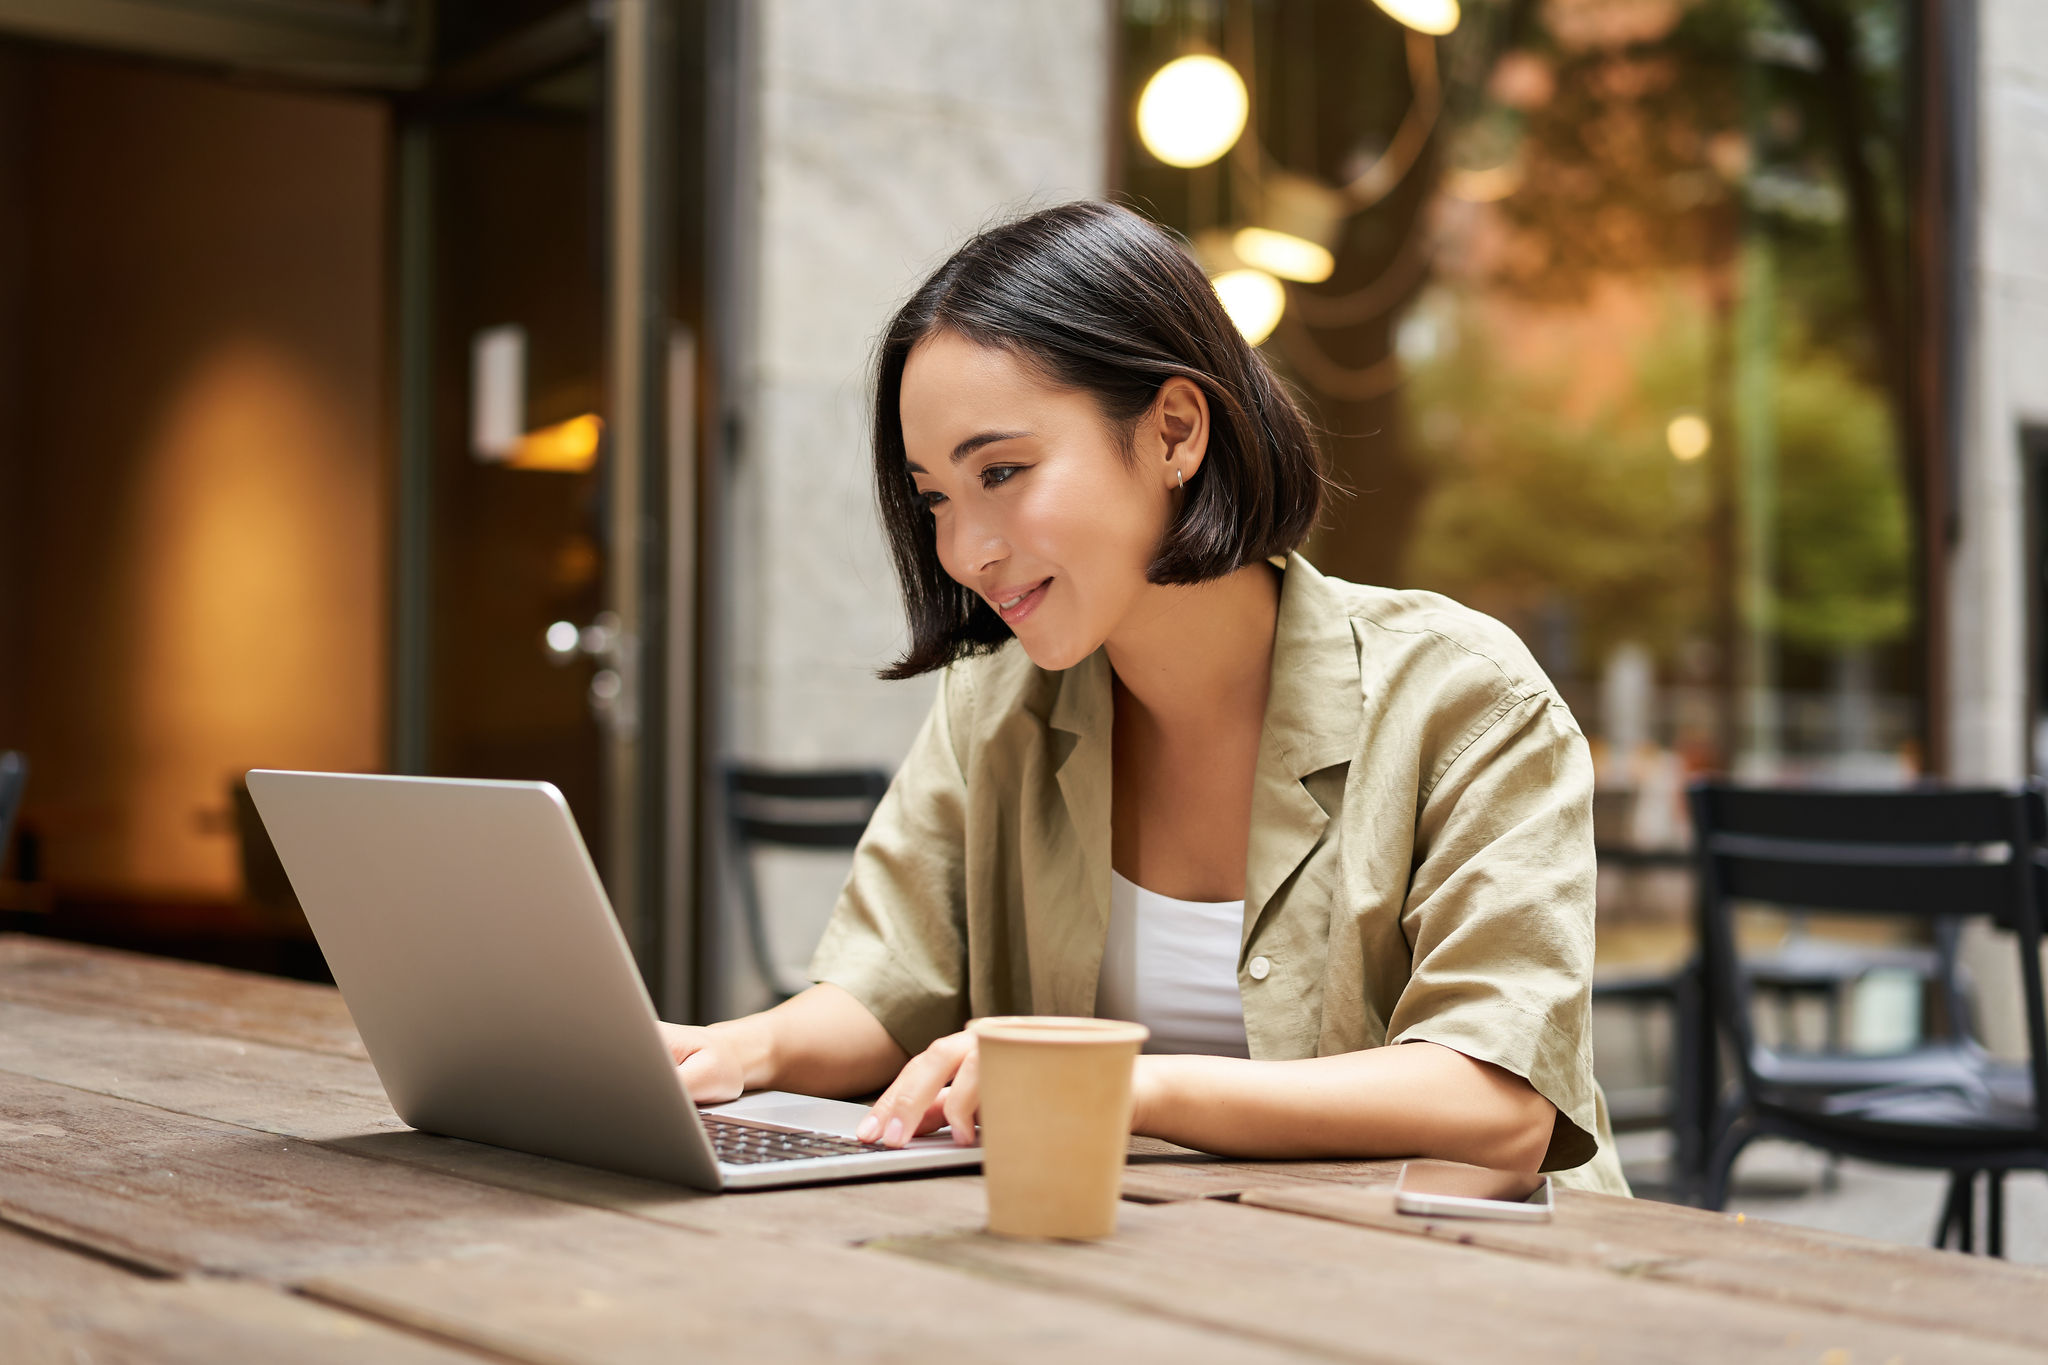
[1413,619]
[1437,653]
[1451,681]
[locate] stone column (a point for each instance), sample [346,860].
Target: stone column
[2006,388]
[879,135]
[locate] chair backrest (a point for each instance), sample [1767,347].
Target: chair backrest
[822,808]
[1932,855]
[13,779]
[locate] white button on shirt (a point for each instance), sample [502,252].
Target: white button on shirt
[1171,965]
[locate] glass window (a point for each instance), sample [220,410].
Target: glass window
[1607,343]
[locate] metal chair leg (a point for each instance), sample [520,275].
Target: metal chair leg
[1692,1086]
[1952,1206]
[1734,1135]
[1994,1213]
[1966,1212]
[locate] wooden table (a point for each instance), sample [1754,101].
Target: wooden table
[199,1165]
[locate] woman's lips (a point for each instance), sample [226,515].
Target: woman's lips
[1025,605]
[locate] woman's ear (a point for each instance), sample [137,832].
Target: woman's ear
[1181,416]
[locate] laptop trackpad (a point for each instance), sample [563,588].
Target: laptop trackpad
[839,1117]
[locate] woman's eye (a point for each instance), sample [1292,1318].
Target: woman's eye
[998,473]
[930,498]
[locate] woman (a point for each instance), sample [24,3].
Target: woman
[1172,772]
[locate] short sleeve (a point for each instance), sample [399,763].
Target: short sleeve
[897,938]
[1499,913]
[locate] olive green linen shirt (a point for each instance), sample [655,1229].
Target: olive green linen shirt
[1420,864]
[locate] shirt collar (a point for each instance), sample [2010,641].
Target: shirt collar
[1312,702]
[1311,723]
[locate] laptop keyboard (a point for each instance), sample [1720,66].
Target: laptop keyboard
[747,1144]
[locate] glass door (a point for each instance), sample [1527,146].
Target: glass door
[535,319]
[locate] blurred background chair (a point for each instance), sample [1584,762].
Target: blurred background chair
[13,779]
[1931,857]
[1644,992]
[826,808]
[1680,1108]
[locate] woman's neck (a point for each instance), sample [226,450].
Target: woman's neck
[1195,654]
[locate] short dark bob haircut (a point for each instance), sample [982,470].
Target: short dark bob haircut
[1098,299]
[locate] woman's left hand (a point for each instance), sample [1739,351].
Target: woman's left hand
[942,1085]
[939,1086]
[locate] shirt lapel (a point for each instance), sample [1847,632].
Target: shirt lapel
[1311,723]
[1312,717]
[1066,945]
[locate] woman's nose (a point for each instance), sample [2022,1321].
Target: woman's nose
[977,544]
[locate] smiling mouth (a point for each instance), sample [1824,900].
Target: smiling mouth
[1020,606]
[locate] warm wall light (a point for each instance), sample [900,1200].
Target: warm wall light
[1283,254]
[1253,299]
[1436,17]
[566,447]
[1193,110]
[1689,436]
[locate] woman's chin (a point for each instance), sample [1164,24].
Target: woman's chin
[1054,656]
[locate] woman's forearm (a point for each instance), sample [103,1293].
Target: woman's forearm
[821,1041]
[1414,1099]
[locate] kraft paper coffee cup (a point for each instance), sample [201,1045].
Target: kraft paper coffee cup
[1055,1121]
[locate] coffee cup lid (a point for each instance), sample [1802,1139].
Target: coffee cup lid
[1056,1028]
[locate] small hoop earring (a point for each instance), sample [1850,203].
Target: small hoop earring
[1182,475]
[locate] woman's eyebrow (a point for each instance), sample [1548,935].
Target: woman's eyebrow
[972,444]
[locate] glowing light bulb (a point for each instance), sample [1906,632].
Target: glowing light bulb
[1436,17]
[1689,436]
[1283,254]
[1193,111]
[1253,299]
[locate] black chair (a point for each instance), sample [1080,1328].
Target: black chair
[827,808]
[1684,1111]
[1670,990]
[1934,856]
[1803,967]
[13,778]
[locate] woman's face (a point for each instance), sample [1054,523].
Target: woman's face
[1035,506]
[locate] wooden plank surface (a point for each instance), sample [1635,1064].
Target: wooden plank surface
[257,1085]
[182,995]
[183,1194]
[655,1296]
[524,1276]
[1751,1259]
[1160,1173]
[114,1000]
[1356,1293]
[58,1307]
[207,1122]
[337,1102]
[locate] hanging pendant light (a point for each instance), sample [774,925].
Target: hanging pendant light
[1193,110]
[1253,299]
[1434,17]
[1296,232]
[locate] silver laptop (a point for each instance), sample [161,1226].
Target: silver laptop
[498,1001]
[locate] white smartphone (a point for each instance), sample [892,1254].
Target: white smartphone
[1446,1189]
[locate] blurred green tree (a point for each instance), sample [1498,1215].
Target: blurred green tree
[1844,537]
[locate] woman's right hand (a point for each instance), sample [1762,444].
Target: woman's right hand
[820,1042]
[711,1064]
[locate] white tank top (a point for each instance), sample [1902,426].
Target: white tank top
[1172,966]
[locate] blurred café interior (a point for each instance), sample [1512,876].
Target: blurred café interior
[466,388]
